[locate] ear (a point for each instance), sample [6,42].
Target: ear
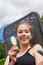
[31,36]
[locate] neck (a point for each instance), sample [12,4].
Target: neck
[24,47]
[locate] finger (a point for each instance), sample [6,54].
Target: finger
[14,48]
[13,58]
[12,53]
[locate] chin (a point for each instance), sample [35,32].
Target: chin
[25,43]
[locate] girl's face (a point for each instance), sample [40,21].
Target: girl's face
[24,33]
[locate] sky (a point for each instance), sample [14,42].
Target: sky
[12,10]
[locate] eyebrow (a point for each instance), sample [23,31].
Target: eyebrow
[25,29]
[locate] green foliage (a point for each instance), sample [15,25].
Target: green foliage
[2,50]
[42,20]
[2,61]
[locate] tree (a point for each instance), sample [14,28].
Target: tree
[42,20]
[2,50]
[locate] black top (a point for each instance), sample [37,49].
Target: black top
[26,59]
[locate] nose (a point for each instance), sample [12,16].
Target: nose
[23,33]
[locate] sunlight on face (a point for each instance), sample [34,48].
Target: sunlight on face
[24,33]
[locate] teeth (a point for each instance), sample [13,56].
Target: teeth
[24,38]
[13,40]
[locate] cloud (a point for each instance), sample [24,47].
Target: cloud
[11,10]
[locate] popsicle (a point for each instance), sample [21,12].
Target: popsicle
[13,41]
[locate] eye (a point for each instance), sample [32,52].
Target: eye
[27,31]
[20,31]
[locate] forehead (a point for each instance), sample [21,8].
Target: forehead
[24,26]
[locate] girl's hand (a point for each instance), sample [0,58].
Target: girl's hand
[12,53]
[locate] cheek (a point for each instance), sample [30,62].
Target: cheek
[29,35]
[18,36]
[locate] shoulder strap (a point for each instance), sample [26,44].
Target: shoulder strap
[29,49]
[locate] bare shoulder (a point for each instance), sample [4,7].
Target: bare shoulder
[37,47]
[38,56]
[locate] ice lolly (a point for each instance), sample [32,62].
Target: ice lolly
[13,41]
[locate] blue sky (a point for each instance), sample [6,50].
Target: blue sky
[12,10]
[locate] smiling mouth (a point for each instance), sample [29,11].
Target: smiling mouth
[24,39]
